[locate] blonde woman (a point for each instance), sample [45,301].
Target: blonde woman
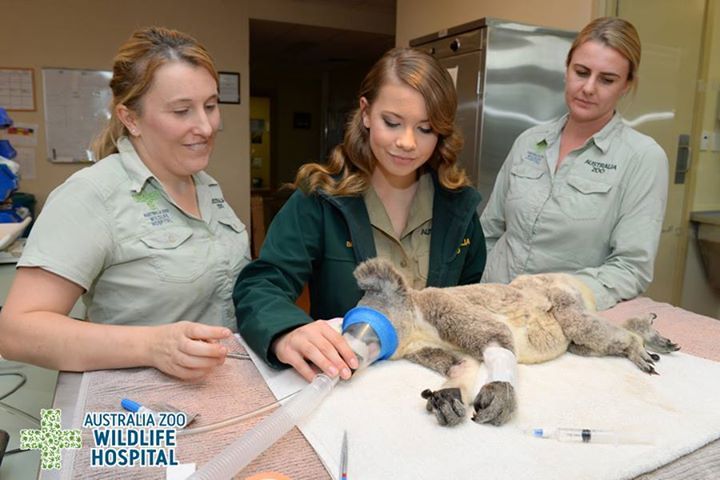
[585,194]
[144,236]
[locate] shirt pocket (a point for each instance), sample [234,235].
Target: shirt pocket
[585,199]
[524,181]
[174,256]
[236,244]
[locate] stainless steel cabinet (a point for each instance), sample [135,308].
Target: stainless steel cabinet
[509,77]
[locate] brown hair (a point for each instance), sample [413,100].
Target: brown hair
[134,68]
[616,33]
[351,163]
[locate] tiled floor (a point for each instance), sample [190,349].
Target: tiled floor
[35,394]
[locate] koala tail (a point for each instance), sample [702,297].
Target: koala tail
[380,276]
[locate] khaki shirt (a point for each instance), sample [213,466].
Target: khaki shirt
[599,216]
[410,253]
[113,230]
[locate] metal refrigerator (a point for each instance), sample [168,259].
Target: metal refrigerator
[509,77]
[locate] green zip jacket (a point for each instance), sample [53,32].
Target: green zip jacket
[320,239]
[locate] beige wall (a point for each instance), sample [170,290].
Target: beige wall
[707,175]
[698,296]
[416,18]
[86,34]
[341,14]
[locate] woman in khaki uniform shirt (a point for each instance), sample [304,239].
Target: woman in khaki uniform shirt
[144,235]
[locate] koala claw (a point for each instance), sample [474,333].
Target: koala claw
[495,403]
[446,404]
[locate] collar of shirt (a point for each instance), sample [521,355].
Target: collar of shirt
[600,139]
[420,210]
[139,174]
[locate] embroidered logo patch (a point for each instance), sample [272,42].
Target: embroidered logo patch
[158,217]
[465,243]
[534,157]
[148,197]
[600,167]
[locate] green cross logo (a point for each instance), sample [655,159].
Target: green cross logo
[148,197]
[50,439]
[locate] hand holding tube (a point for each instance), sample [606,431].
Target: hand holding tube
[316,343]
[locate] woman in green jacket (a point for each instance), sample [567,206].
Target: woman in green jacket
[391,189]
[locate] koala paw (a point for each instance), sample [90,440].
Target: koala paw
[651,338]
[495,403]
[446,404]
[657,343]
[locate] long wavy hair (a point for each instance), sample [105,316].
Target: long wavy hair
[351,163]
[134,68]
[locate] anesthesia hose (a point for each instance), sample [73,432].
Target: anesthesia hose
[371,336]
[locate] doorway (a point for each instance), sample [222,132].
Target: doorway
[310,76]
[663,108]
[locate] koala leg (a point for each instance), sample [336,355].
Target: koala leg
[592,335]
[496,401]
[447,403]
[478,333]
[642,326]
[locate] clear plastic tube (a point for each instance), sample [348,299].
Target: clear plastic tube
[244,450]
[236,419]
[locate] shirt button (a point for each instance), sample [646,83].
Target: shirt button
[403,263]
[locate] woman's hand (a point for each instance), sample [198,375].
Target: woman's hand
[187,350]
[316,344]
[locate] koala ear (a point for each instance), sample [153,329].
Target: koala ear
[378,275]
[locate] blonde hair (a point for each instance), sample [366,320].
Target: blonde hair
[134,68]
[616,33]
[351,163]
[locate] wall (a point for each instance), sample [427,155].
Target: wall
[91,31]
[363,16]
[698,296]
[707,175]
[87,33]
[416,18]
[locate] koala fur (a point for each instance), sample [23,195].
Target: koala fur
[536,317]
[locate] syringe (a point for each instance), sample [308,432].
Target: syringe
[588,435]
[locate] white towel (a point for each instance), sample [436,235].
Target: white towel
[391,435]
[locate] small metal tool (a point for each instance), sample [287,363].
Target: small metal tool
[344,458]
[238,356]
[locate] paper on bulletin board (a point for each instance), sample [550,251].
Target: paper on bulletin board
[17,90]
[77,106]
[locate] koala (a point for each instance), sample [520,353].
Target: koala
[533,319]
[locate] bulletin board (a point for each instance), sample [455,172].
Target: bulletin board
[17,89]
[77,104]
